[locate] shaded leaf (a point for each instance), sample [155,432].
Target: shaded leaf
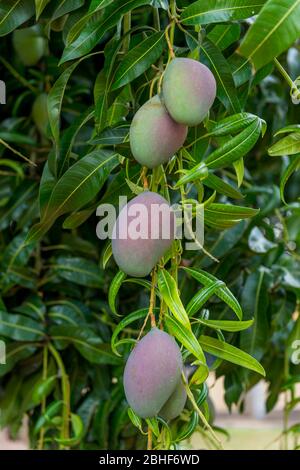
[20,328]
[13,13]
[139,59]
[220,68]
[90,346]
[94,31]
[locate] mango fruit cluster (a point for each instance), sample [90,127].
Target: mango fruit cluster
[159,128]
[157,131]
[153,372]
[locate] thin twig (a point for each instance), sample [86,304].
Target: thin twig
[149,440]
[65,392]
[16,152]
[218,443]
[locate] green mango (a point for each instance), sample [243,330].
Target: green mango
[40,113]
[29,45]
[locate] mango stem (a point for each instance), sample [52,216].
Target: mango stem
[149,441]
[216,440]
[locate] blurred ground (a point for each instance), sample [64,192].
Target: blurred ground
[253,430]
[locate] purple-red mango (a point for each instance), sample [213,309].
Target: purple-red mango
[189,90]
[142,234]
[154,135]
[152,372]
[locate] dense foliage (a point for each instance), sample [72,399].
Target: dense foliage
[68,317]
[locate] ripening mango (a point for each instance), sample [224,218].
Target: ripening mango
[189,90]
[154,135]
[143,232]
[152,372]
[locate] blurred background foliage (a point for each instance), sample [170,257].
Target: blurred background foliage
[54,313]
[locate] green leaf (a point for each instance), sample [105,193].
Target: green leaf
[223,216]
[217,11]
[51,412]
[75,188]
[188,428]
[289,145]
[239,170]
[15,352]
[230,353]
[89,345]
[187,338]
[107,253]
[199,299]
[232,124]
[47,183]
[55,99]
[132,317]
[198,173]
[15,254]
[112,136]
[135,419]
[235,148]
[20,328]
[78,270]
[19,199]
[226,325]
[255,304]
[290,128]
[54,105]
[275,29]
[114,289]
[67,140]
[79,217]
[96,6]
[223,35]
[95,29]
[228,211]
[214,182]
[13,13]
[78,431]
[43,388]
[219,66]
[64,7]
[169,291]
[103,87]
[223,293]
[139,59]
[39,7]
[293,166]
[153,425]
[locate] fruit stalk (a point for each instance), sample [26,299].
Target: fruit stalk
[43,406]
[65,392]
[216,440]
